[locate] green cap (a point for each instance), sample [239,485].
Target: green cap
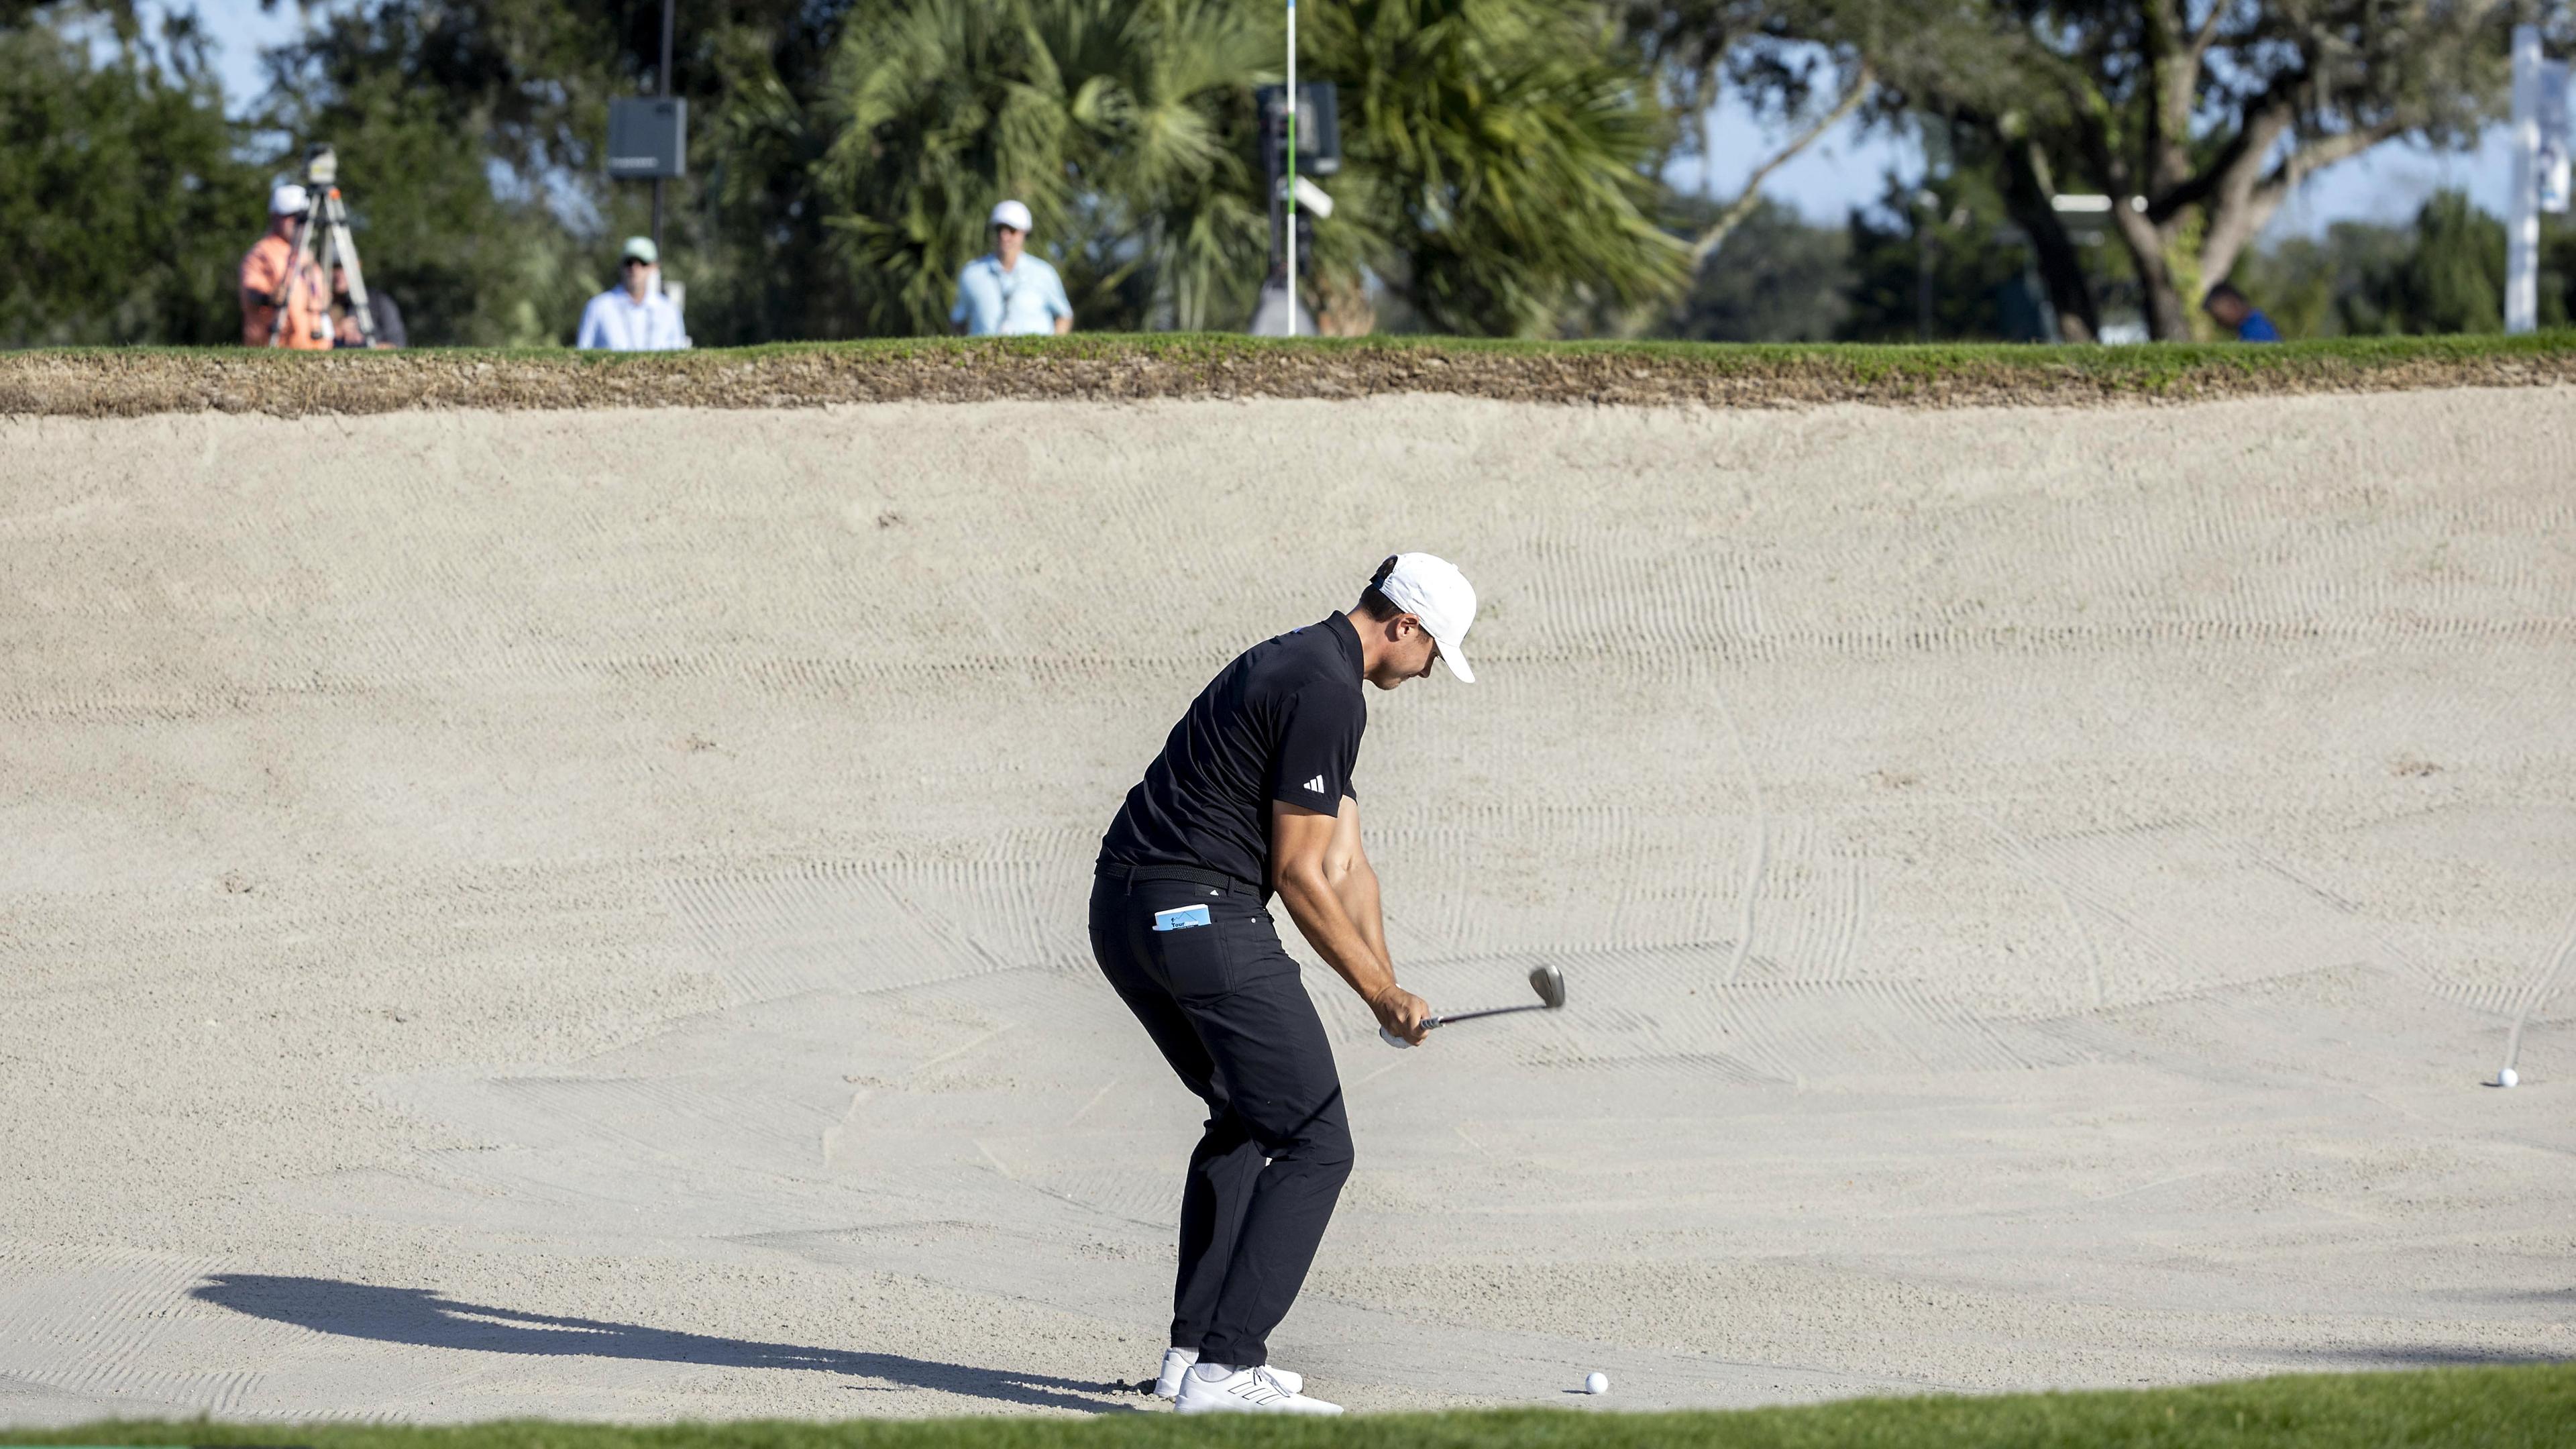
[640,248]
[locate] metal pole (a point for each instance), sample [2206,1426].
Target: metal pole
[1922,276]
[1291,200]
[2522,234]
[665,76]
[294,274]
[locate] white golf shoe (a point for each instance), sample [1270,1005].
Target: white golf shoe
[1177,1361]
[1242,1391]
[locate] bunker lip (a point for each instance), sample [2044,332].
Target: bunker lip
[141,382]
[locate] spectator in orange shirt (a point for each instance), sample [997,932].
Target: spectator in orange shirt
[265,280]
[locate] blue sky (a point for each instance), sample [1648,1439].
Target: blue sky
[1845,168]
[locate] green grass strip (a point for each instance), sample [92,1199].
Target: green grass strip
[102,382]
[2489,1408]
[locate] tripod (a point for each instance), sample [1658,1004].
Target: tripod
[321,243]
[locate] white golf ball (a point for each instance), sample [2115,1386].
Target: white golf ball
[2507,1077]
[1596,1383]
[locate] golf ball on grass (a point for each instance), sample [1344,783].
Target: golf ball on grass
[1596,1382]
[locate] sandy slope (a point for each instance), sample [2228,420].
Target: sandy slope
[579,913]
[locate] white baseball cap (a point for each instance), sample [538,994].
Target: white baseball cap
[1432,590]
[289,200]
[1011,214]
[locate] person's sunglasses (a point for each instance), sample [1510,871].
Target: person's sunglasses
[635,262]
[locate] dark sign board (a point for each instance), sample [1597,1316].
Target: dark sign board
[648,138]
[1319,125]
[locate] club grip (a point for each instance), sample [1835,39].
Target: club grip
[1391,1039]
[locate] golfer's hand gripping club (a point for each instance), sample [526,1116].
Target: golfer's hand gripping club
[1402,1016]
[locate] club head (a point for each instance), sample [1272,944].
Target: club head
[1549,983]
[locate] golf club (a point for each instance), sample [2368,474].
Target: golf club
[1547,981]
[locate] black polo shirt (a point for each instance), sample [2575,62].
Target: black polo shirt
[1282,722]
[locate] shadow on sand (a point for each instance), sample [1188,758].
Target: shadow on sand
[2421,1356]
[428,1319]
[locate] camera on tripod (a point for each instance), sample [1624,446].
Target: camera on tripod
[323,243]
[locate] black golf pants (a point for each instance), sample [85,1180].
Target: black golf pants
[1223,1002]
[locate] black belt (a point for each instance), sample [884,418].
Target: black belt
[1212,879]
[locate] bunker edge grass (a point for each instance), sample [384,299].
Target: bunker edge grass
[2503,1407]
[1140,367]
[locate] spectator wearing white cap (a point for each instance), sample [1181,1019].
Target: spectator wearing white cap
[636,315]
[274,275]
[1008,293]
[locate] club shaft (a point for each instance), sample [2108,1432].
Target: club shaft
[1455,1016]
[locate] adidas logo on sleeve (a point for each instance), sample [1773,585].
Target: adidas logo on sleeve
[1316,784]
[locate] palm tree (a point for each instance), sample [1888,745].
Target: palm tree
[1124,124]
[1500,151]
[1496,155]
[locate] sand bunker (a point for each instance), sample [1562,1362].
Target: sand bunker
[579,913]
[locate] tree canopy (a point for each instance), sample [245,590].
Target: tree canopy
[122,193]
[2196,117]
[1503,159]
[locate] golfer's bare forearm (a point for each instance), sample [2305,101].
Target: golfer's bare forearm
[1346,865]
[1314,858]
[1356,887]
[1328,927]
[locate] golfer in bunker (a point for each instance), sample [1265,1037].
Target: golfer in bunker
[1252,794]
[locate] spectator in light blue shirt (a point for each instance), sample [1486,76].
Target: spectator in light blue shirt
[2230,308]
[637,315]
[1007,292]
